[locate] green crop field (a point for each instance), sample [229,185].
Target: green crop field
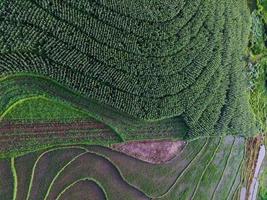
[78,77]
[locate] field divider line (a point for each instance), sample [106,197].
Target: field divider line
[79,180]
[18,102]
[102,156]
[206,167]
[15,178]
[40,156]
[184,170]
[70,92]
[61,170]
[225,166]
[239,168]
[120,173]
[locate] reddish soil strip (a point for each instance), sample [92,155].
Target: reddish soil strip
[84,190]
[23,141]
[48,127]
[17,134]
[152,151]
[88,132]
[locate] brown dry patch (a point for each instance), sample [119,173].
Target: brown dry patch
[152,151]
[252,151]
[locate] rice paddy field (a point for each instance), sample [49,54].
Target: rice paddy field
[95,94]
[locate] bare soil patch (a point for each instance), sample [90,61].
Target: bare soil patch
[152,151]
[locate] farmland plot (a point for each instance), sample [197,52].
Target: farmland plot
[78,77]
[204,169]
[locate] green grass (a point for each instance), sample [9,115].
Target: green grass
[263,185]
[258,97]
[42,109]
[262,7]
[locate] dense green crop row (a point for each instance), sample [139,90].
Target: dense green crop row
[150,60]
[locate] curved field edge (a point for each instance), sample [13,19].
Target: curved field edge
[210,42]
[40,156]
[95,109]
[77,181]
[15,178]
[124,126]
[40,108]
[228,181]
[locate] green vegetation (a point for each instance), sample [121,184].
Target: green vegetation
[262,8]
[257,73]
[115,126]
[74,74]
[263,186]
[258,97]
[150,60]
[40,108]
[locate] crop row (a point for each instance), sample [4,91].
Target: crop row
[191,68]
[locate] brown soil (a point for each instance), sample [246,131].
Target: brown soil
[6,180]
[24,167]
[48,127]
[84,190]
[152,151]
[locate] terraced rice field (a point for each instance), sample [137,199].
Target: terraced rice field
[80,77]
[103,173]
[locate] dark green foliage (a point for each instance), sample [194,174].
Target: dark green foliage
[150,59]
[257,34]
